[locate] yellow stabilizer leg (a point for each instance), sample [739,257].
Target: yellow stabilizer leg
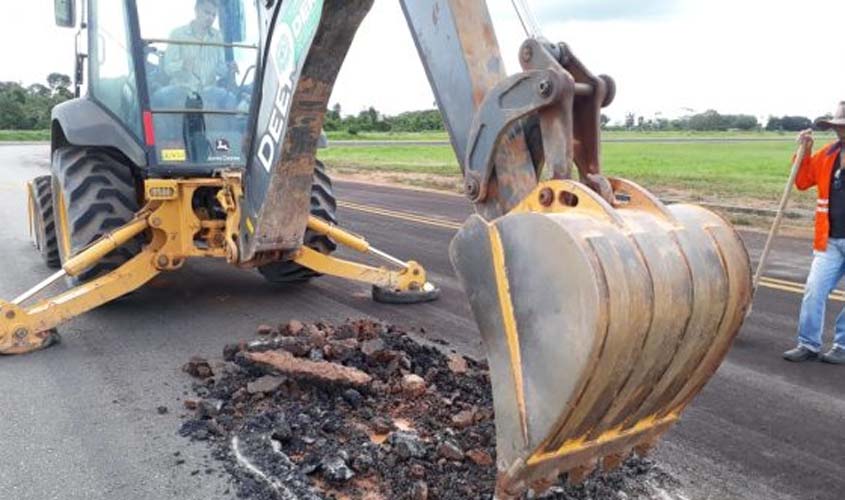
[404,286]
[25,329]
[174,227]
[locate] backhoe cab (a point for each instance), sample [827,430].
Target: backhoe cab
[603,312]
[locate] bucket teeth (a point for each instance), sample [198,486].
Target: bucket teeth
[600,323]
[613,461]
[542,485]
[579,474]
[644,449]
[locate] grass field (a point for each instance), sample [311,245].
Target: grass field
[342,135]
[739,173]
[611,134]
[24,135]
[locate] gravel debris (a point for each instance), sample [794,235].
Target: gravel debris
[361,410]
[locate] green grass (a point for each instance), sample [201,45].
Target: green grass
[709,134]
[342,135]
[613,134]
[24,135]
[754,170]
[438,160]
[740,173]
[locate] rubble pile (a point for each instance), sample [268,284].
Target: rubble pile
[361,411]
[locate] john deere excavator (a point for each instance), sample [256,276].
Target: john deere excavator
[603,311]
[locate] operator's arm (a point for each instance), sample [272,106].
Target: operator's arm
[174,59]
[223,70]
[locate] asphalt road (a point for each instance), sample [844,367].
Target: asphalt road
[79,421]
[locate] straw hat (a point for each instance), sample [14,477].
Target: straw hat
[838,119]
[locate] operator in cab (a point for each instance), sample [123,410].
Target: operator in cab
[824,170]
[198,67]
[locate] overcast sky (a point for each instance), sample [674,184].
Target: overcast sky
[667,56]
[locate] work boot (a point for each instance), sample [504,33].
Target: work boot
[800,354]
[835,356]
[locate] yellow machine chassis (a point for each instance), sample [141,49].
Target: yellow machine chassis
[176,232]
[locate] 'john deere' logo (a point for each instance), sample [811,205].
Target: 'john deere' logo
[283,51]
[222,146]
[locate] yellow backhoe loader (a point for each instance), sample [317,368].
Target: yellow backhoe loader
[603,312]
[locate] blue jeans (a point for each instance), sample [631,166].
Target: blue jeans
[827,269]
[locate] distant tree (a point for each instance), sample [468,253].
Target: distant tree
[789,123]
[662,124]
[744,122]
[372,114]
[60,85]
[38,90]
[709,120]
[796,123]
[713,120]
[27,108]
[604,120]
[679,123]
[774,123]
[416,121]
[12,101]
[333,119]
[58,81]
[630,119]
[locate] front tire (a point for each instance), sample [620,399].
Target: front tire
[93,193]
[324,206]
[42,221]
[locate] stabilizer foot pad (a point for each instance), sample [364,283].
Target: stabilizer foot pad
[38,342]
[390,296]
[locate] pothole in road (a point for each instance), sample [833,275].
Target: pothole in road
[361,410]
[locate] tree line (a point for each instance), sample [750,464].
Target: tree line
[371,120]
[712,120]
[28,108]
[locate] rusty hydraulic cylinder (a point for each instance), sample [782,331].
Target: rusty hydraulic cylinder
[352,241]
[88,257]
[105,245]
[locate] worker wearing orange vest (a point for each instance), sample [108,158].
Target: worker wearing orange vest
[824,170]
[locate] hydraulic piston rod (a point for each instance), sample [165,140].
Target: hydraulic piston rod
[90,256]
[352,241]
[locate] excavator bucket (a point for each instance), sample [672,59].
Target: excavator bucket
[600,322]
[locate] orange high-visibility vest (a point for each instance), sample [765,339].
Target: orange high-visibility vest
[816,170]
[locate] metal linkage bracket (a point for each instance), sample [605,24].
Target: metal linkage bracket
[511,100]
[567,100]
[572,133]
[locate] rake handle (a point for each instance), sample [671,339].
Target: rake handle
[787,191]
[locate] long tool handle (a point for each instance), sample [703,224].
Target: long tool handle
[787,191]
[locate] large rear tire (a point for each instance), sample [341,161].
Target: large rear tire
[43,225]
[324,206]
[94,192]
